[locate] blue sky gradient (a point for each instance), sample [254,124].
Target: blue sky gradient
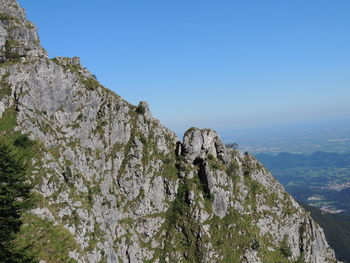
[219,64]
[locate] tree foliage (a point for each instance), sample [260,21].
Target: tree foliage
[233,145]
[15,198]
[284,248]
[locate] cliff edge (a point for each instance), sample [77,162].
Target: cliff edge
[114,185]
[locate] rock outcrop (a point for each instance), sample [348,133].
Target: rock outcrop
[114,185]
[18,37]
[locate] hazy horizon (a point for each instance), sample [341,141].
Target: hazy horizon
[224,65]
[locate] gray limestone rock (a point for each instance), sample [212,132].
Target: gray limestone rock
[120,187]
[18,37]
[197,143]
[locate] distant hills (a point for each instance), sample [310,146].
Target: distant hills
[320,179]
[307,138]
[286,160]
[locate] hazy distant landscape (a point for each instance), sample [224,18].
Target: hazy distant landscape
[312,161]
[331,136]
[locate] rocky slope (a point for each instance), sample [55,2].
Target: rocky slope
[114,185]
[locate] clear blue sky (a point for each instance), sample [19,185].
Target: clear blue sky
[219,64]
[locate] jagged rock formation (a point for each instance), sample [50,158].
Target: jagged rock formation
[18,37]
[114,185]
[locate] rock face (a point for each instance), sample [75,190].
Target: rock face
[18,37]
[114,185]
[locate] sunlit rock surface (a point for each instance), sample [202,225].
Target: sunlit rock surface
[115,185]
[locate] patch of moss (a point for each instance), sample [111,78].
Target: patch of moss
[215,163]
[135,201]
[22,141]
[271,199]
[5,17]
[232,235]
[233,169]
[50,242]
[80,116]
[5,88]
[8,120]
[95,237]
[148,147]
[181,231]
[284,248]
[10,50]
[248,165]
[90,83]
[272,257]
[169,168]
[280,254]
[100,127]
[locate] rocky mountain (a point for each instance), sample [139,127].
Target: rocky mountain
[114,185]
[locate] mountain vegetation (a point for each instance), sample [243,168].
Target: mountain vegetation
[112,184]
[15,198]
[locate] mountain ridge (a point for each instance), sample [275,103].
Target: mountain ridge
[118,186]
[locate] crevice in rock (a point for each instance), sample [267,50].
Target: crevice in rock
[311,228]
[16,102]
[128,255]
[302,229]
[67,175]
[203,177]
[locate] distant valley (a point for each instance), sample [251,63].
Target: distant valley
[320,179]
[321,182]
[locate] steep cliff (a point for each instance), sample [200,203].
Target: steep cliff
[114,185]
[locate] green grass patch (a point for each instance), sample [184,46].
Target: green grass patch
[5,88]
[10,50]
[232,235]
[5,17]
[8,120]
[50,242]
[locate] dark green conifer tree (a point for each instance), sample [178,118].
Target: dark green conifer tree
[15,198]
